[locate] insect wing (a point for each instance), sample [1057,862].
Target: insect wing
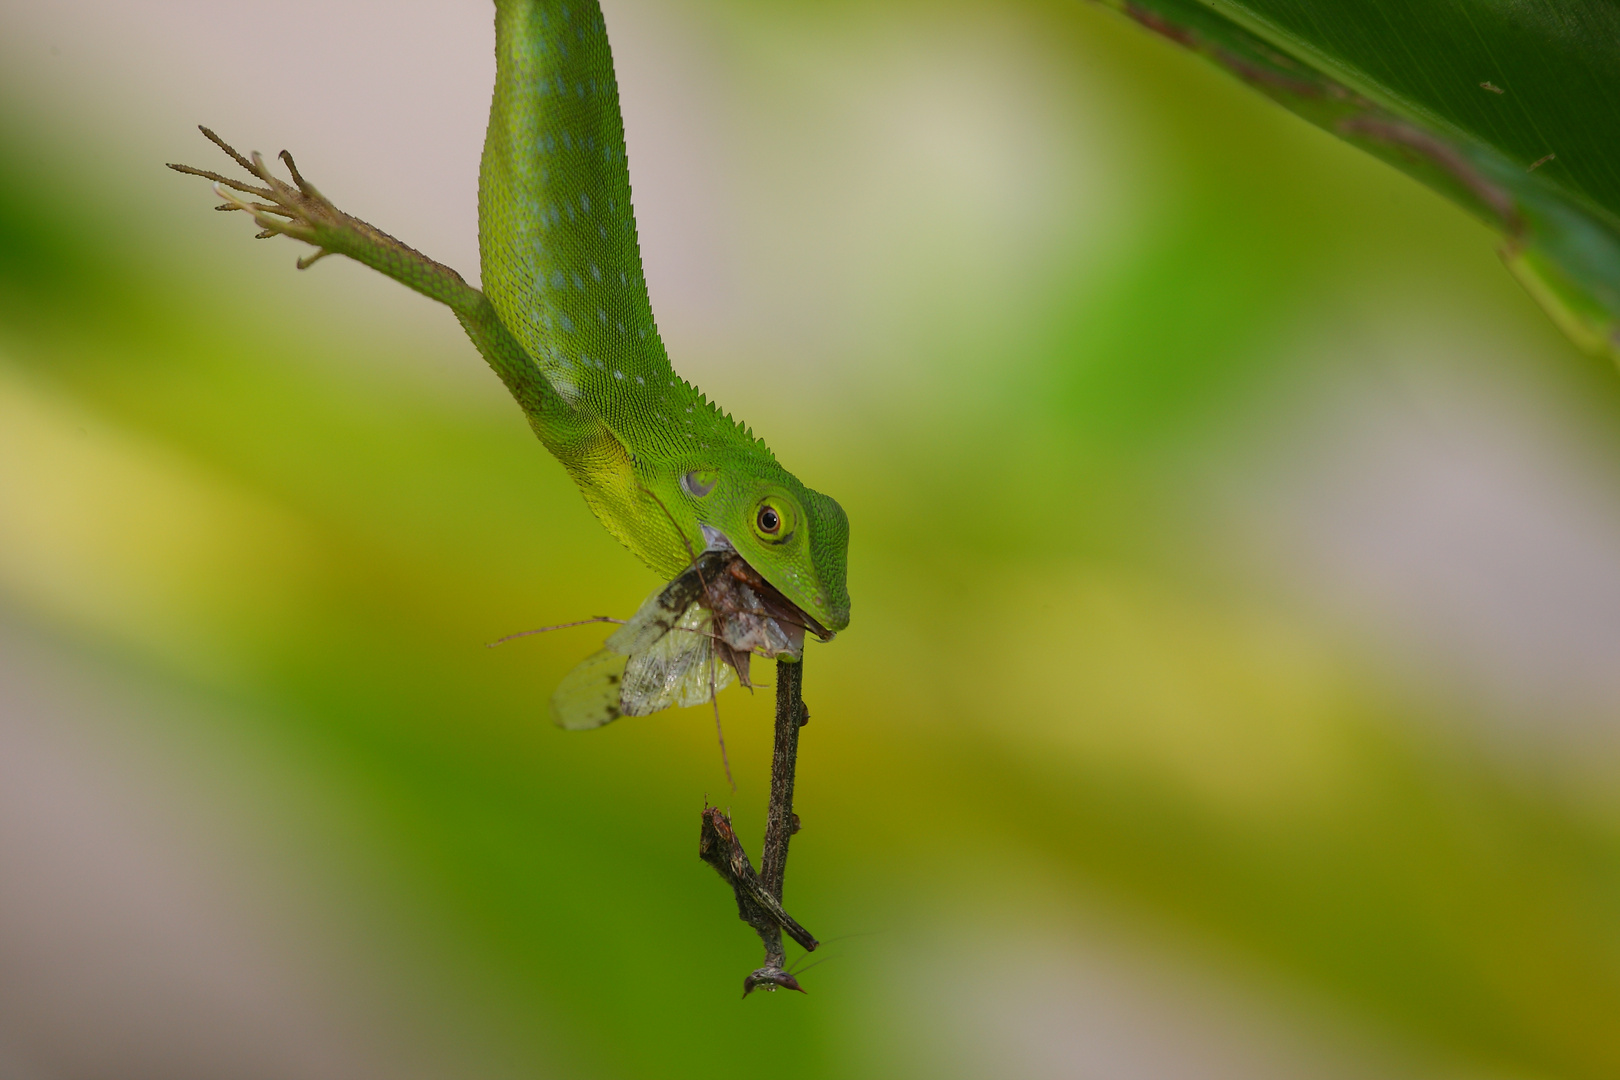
[589,695]
[662,656]
[679,668]
[663,609]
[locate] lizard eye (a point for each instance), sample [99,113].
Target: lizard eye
[773,521]
[699,482]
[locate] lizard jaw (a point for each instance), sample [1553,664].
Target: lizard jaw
[715,540]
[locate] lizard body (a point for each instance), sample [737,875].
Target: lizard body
[565,319]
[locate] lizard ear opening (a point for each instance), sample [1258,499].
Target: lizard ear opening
[699,482]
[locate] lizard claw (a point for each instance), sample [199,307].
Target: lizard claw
[294,210]
[299,211]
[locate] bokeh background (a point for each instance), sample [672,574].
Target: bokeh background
[1234,683]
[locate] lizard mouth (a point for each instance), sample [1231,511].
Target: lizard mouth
[768,599]
[750,614]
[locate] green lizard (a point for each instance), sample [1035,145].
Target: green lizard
[565,321]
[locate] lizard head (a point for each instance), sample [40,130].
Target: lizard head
[797,539]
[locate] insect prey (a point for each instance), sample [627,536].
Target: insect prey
[684,644]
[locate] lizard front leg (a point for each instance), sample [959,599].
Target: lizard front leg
[299,211]
[586,448]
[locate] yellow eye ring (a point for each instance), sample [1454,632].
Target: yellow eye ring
[773,521]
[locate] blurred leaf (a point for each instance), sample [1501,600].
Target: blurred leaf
[1508,109]
[203,465]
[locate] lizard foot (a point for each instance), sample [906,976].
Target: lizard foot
[296,210]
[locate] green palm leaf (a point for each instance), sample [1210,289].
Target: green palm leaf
[1510,109]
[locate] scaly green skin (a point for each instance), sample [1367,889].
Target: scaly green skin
[567,325]
[562,268]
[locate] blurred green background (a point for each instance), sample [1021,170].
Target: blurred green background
[1234,677]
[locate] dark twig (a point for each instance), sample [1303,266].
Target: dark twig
[780,824]
[759,897]
[719,847]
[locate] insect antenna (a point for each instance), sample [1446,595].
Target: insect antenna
[719,732]
[799,967]
[691,555]
[692,561]
[548,629]
[714,693]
